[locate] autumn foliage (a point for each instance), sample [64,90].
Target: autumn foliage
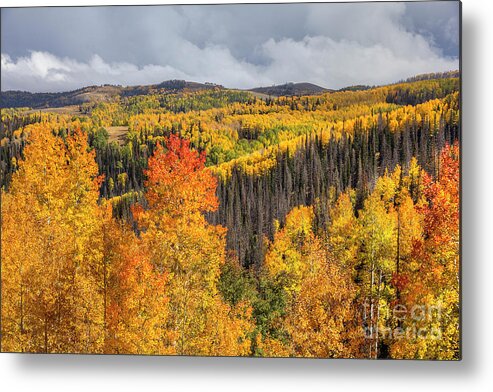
[52,249]
[177,183]
[233,226]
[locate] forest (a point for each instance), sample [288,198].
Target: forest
[222,222]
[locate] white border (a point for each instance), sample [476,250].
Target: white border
[473,373]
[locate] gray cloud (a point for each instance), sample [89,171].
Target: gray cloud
[334,45]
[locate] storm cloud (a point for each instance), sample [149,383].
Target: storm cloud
[242,46]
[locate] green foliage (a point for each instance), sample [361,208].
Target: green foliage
[236,285]
[100,139]
[270,306]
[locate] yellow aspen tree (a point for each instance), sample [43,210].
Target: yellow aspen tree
[52,248]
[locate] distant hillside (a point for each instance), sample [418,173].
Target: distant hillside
[44,100]
[358,87]
[168,86]
[104,93]
[433,75]
[290,89]
[107,92]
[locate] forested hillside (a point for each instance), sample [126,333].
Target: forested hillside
[208,221]
[289,89]
[95,94]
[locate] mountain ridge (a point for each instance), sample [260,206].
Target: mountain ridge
[291,89]
[96,93]
[109,92]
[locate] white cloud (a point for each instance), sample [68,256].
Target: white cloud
[42,71]
[335,64]
[317,59]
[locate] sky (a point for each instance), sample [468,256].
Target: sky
[239,46]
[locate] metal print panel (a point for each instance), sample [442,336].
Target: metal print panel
[268,180]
